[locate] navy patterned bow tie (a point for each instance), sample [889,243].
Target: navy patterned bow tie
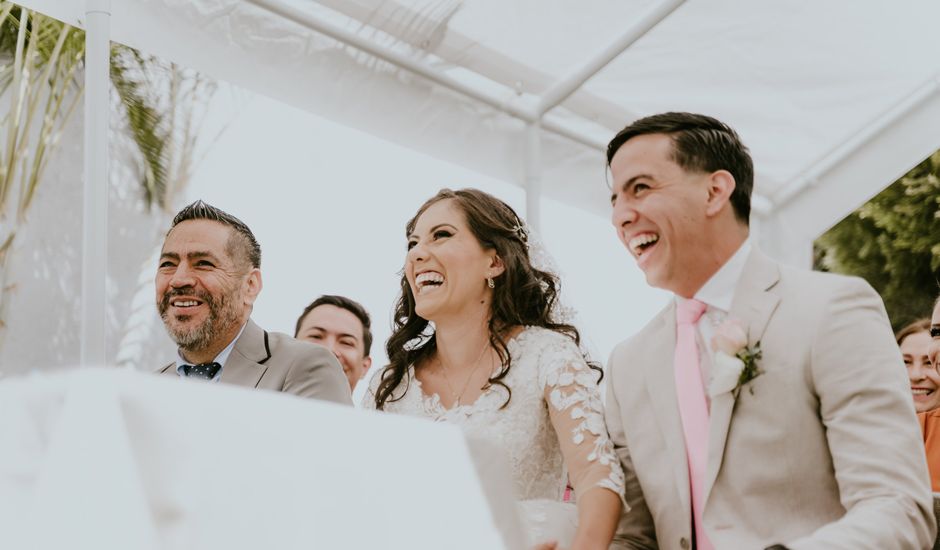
[206,371]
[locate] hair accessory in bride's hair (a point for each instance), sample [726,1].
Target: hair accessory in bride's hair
[521,233]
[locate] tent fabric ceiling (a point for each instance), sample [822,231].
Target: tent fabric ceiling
[797,79]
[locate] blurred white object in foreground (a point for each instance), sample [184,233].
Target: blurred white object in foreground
[115,459]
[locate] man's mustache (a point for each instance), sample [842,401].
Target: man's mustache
[201,295]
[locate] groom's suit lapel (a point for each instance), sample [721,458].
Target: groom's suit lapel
[661,384]
[754,303]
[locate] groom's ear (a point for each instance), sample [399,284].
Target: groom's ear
[720,186]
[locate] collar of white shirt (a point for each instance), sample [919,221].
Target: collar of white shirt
[718,292]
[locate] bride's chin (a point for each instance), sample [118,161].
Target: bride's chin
[422,310]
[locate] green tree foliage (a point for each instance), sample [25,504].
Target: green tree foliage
[893,242]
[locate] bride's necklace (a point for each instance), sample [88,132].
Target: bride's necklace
[456,396]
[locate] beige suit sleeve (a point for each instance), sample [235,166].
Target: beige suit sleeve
[576,413]
[636,529]
[318,375]
[865,404]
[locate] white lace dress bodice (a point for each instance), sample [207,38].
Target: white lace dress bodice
[554,417]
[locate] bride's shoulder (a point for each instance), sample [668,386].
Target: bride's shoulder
[375,380]
[539,340]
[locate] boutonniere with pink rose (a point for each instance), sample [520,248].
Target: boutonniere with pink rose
[735,363]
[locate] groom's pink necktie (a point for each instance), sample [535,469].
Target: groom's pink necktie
[692,408]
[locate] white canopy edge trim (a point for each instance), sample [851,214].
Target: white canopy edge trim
[885,156]
[846,149]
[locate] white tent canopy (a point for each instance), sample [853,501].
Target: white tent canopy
[835,99]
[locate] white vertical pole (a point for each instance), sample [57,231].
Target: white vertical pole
[95,203]
[533,175]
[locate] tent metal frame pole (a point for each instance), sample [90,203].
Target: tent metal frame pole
[844,150]
[560,129]
[95,196]
[533,176]
[563,88]
[340,34]
[498,102]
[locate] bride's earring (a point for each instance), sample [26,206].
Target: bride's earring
[490,282]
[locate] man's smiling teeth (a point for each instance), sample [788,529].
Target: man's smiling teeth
[638,243]
[187,303]
[428,280]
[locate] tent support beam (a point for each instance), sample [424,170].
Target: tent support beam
[498,102]
[560,90]
[845,150]
[563,88]
[533,176]
[95,196]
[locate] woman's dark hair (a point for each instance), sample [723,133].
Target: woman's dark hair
[523,296]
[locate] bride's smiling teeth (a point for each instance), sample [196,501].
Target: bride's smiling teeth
[641,242]
[428,280]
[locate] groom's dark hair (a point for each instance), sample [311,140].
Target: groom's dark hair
[701,144]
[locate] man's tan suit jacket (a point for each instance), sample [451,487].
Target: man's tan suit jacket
[275,361]
[821,450]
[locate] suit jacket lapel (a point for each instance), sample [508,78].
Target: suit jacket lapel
[753,304]
[661,384]
[244,366]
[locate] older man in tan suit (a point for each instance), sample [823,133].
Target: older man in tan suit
[206,284]
[765,406]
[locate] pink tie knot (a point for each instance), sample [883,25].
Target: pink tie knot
[689,312]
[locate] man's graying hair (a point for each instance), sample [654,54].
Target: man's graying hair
[242,245]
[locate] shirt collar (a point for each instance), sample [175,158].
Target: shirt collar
[220,358]
[718,291]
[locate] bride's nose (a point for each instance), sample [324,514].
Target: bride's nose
[416,253]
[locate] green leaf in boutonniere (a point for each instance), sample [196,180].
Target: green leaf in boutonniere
[749,356]
[735,363]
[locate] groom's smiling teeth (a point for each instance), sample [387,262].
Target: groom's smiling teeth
[640,243]
[428,280]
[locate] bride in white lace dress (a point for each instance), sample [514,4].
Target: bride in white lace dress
[475,344]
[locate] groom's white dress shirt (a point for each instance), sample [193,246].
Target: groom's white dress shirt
[717,293]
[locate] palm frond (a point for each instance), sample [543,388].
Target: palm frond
[145,121]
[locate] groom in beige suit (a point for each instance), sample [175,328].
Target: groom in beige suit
[814,444]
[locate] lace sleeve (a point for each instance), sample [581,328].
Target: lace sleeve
[368,398]
[576,412]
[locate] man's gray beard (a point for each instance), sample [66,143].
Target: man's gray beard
[222,315]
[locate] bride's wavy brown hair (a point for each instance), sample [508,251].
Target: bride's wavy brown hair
[523,296]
